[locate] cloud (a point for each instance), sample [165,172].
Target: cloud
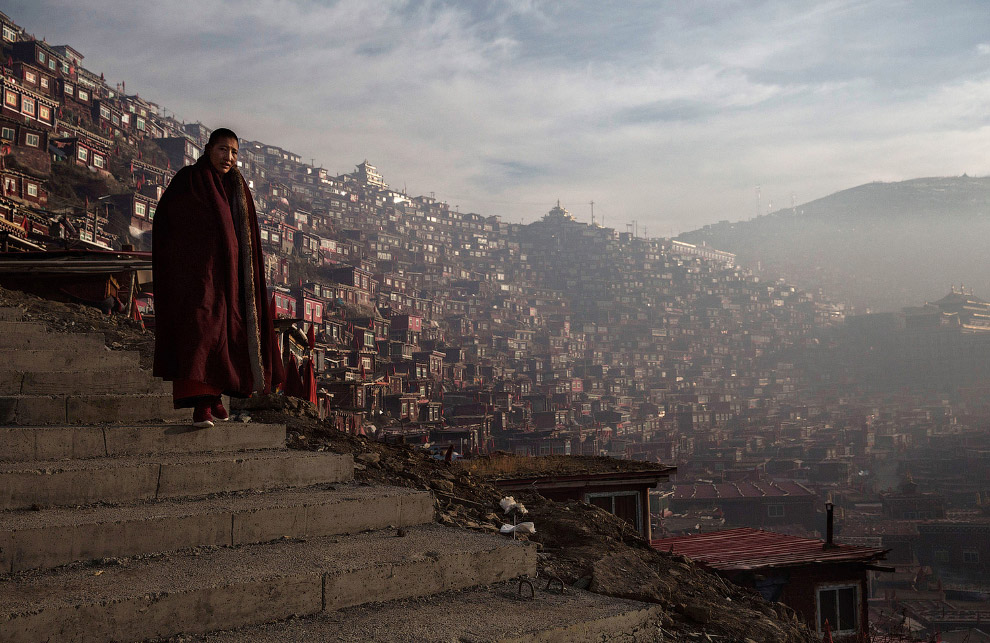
[668,113]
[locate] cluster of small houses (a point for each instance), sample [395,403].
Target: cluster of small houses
[424,324]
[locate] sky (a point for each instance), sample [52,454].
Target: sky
[669,113]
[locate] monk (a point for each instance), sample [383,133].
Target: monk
[213,328]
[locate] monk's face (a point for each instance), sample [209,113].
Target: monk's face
[223,154]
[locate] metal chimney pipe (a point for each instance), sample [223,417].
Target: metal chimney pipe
[829,525]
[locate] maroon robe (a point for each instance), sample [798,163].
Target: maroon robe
[208,271]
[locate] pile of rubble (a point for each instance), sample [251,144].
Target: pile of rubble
[582,545]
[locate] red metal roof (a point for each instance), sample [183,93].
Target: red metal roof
[747,548]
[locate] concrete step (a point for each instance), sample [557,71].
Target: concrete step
[25,443]
[33,337]
[9,313]
[231,519]
[226,588]
[66,358]
[88,409]
[103,382]
[485,614]
[8,326]
[134,478]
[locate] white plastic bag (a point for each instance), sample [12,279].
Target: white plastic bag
[523,529]
[509,505]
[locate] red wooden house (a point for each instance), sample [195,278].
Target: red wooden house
[11,32]
[24,105]
[285,304]
[28,143]
[83,147]
[822,581]
[623,493]
[764,504]
[41,54]
[23,187]
[180,150]
[35,78]
[107,116]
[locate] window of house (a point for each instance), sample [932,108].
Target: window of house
[44,82]
[30,76]
[41,57]
[32,140]
[32,189]
[44,112]
[941,555]
[126,119]
[51,64]
[115,119]
[10,98]
[65,68]
[140,124]
[104,111]
[69,88]
[9,34]
[775,511]
[98,160]
[624,504]
[27,105]
[151,212]
[839,605]
[971,557]
[82,94]
[7,133]
[82,154]
[140,209]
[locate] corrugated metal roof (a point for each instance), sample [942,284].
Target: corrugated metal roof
[747,548]
[741,489]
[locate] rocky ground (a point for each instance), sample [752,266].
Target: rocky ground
[66,317]
[582,545]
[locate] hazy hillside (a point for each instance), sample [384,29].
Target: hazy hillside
[880,245]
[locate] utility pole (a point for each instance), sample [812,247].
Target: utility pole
[759,201]
[592,213]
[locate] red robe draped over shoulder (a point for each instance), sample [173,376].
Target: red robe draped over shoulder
[212,320]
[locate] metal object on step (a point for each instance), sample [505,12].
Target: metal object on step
[558,581]
[525,582]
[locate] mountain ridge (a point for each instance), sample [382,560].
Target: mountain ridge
[877,246]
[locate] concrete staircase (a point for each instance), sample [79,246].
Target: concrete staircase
[73,378]
[119,529]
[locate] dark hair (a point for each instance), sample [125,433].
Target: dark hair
[222,133]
